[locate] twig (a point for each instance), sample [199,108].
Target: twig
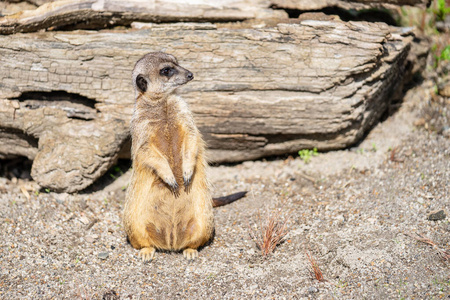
[92,223]
[307,177]
[445,255]
[25,192]
[393,158]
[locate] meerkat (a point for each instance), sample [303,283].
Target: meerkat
[168,203]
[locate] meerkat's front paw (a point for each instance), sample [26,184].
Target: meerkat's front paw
[172,183]
[147,254]
[187,177]
[190,254]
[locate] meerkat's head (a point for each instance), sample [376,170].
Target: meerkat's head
[158,74]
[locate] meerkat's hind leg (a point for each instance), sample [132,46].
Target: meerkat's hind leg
[147,253]
[190,254]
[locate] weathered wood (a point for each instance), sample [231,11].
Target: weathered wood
[33,2]
[9,8]
[256,92]
[307,5]
[97,14]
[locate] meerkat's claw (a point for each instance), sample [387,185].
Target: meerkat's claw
[147,254]
[190,254]
[172,184]
[187,180]
[175,189]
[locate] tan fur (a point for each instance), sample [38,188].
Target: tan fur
[168,203]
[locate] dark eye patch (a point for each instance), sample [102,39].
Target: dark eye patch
[167,71]
[141,83]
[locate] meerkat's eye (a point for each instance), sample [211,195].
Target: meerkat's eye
[167,71]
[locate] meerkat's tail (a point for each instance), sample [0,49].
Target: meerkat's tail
[220,201]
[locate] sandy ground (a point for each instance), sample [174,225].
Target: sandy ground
[352,210]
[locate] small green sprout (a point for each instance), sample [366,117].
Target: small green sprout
[374,147]
[306,154]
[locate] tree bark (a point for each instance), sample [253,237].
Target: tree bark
[66,97]
[98,14]
[306,5]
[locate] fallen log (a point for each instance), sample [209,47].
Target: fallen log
[306,5]
[66,97]
[98,14]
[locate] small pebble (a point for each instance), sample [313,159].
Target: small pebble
[103,255]
[91,238]
[110,295]
[84,220]
[446,131]
[313,289]
[437,215]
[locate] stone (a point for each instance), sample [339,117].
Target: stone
[103,255]
[437,215]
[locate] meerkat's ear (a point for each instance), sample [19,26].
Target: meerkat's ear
[141,83]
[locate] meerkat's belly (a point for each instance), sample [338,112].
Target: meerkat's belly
[168,220]
[165,220]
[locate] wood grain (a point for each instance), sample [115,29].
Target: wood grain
[306,5]
[98,14]
[256,92]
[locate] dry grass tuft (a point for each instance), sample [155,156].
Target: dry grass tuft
[394,157]
[443,254]
[271,233]
[315,270]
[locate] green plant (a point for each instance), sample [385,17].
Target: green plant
[445,54]
[441,11]
[341,284]
[374,147]
[117,172]
[306,154]
[442,285]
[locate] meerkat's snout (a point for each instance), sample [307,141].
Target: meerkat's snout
[184,75]
[190,76]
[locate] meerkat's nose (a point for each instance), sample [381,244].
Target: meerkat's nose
[190,76]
